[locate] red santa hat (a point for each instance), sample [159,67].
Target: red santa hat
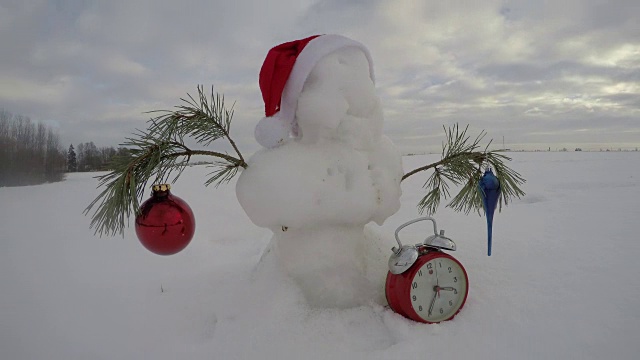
[282,76]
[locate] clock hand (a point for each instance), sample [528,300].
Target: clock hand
[436,266]
[450,288]
[433,301]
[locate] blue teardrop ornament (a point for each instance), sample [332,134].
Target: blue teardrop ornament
[489,186]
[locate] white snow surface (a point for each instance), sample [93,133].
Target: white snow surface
[562,282]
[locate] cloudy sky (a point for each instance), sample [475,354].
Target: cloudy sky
[538,73]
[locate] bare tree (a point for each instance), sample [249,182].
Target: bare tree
[55,163]
[6,145]
[80,157]
[29,152]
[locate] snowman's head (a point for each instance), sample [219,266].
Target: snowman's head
[338,101]
[310,86]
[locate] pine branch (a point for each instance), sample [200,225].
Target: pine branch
[159,153]
[205,120]
[461,165]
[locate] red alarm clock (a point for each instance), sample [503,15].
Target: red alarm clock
[424,283]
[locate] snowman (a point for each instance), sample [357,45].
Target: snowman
[326,170]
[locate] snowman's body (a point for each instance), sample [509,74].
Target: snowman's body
[318,191]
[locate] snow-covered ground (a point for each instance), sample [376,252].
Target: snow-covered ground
[563,281]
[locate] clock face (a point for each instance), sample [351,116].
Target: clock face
[438,289]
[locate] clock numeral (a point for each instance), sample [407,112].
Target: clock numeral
[420,308]
[455,279]
[414,285]
[450,271]
[419,272]
[441,311]
[440,264]
[414,298]
[450,302]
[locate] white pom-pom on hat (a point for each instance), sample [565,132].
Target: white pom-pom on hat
[282,77]
[272,132]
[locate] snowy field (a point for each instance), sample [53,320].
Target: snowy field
[563,281]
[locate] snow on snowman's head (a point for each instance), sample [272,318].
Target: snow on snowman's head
[284,73]
[338,102]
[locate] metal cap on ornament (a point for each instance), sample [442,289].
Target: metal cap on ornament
[161,187]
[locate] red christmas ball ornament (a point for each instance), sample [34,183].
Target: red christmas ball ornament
[165,224]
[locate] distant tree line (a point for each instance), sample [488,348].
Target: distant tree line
[30,153]
[88,157]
